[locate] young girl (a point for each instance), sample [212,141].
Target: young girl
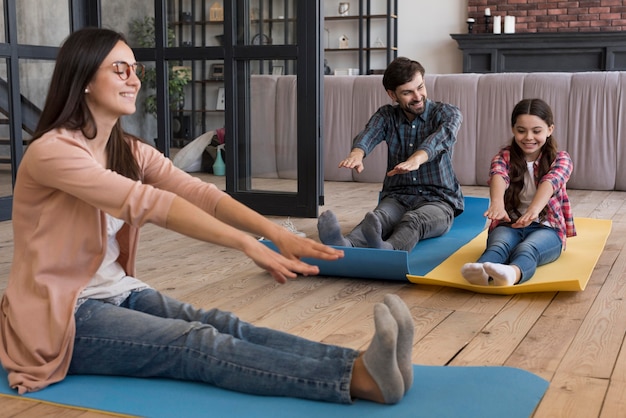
[529,211]
[73,304]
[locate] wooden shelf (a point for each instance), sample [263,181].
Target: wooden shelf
[357,17]
[366,32]
[374,48]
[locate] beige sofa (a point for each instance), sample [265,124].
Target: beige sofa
[589,111]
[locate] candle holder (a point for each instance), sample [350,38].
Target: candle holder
[487,22]
[470,25]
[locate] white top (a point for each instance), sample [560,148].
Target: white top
[529,190]
[110,282]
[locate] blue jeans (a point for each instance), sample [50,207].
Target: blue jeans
[152,335]
[526,248]
[403,228]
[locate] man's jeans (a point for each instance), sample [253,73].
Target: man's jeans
[151,335]
[526,248]
[404,228]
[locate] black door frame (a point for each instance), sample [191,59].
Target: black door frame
[307,54]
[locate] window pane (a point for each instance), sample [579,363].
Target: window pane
[2,26]
[5,154]
[31,14]
[195,23]
[273,125]
[35,78]
[119,15]
[272,23]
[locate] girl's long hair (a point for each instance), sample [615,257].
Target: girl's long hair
[79,58]
[518,169]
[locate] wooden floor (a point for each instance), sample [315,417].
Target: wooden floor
[575,340]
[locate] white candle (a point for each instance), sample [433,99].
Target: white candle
[497,24]
[509,24]
[487,11]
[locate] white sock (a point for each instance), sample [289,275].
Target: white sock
[502,274]
[475,274]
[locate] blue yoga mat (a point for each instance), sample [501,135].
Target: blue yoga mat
[370,263]
[438,391]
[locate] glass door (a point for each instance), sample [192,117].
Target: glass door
[26,63]
[273,106]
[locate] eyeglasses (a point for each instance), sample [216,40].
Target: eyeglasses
[124,69]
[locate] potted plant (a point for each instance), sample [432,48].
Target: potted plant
[142,31]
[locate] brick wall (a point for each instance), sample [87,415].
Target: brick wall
[553,15]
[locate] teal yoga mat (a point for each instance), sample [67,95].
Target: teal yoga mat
[370,263]
[438,391]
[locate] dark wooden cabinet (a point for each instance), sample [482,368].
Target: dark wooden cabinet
[543,52]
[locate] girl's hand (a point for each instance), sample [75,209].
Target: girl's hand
[526,219]
[497,213]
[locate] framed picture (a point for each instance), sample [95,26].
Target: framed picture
[221,99]
[277,70]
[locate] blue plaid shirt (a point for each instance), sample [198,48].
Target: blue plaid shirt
[434,131]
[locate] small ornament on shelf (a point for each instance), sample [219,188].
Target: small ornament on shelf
[344,42]
[470,24]
[344,9]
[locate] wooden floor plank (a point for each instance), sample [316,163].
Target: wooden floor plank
[596,346]
[571,396]
[501,336]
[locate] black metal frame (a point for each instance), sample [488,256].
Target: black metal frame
[309,70]
[303,203]
[23,115]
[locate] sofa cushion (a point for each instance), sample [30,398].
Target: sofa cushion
[337,130]
[592,123]
[368,95]
[460,90]
[620,175]
[263,126]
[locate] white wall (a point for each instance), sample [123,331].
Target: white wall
[424,29]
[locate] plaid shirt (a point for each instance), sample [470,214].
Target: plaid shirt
[434,131]
[559,210]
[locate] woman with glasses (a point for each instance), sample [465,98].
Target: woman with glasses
[73,304]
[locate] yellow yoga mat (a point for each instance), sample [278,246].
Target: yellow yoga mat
[570,272]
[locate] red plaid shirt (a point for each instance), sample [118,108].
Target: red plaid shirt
[559,210]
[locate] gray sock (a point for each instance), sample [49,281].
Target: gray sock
[373,232]
[380,357]
[330,231]
[406,328]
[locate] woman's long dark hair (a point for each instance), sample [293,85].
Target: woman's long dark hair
[518,169]
[78,60]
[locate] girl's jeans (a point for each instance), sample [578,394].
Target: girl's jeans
[152,335]
[526,248]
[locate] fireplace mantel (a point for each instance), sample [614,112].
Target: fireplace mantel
[543,52]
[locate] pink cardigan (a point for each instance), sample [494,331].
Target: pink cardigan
[59,201]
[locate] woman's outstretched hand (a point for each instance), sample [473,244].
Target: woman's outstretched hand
[287,264]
